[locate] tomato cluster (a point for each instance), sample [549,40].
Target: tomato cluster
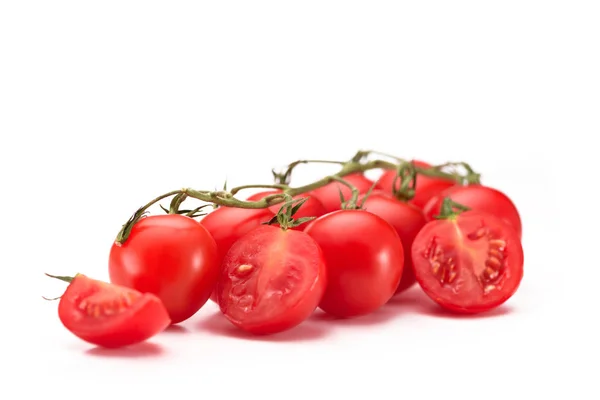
[269,267]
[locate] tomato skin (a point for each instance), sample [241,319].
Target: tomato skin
[271,280]
[329,195]
[171,256]
[110,315]
[228,224]
[426,188]
[406,218]
[364,258]
[470,263]
[311,207]
[478,198]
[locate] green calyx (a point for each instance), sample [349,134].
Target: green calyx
[450,209]
[285,216]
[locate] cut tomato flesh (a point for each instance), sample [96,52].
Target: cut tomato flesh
[109,315]
[472,263]
[271,280]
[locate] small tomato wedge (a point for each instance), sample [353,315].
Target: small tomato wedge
[110,315]
[271,280]
[426,187]
[364,258]
[478,198]
[311,208]
[406,218]
[329,195]
[469,263]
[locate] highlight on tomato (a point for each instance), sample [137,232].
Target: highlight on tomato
[329,195]
[171,256]
[478,198]
[272,279]
[406,218]
[109,315]
[426,187]
[468,262]
[364,258]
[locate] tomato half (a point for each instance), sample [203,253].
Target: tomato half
[478,198]
[406,218]
[426,187]
[364,258]
[271,280]
[329,195]
[311,207]
[171,256]
[469,263]
[110,315]
[228,224]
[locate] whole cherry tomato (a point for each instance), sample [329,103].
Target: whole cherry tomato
[364,258]
[171,256]
[406,218]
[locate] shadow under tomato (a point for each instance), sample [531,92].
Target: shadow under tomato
[380,316]
[217,324]
[176,329]
[144,349]
[416,301]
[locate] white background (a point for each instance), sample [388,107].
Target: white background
[104,105]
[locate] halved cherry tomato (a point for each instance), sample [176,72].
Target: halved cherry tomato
[228,224]
[110,315]
[171,256]
[478,198]
[272,280]
[406,218]
[364,258]
[311,207]
[329,195]
[426,187]
[469,263]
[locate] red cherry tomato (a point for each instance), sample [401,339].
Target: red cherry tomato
[406,218]
[271,280]
[311,207]
[364,258]
[171,256]
[329,195]
[426,187]
[469,263]
[110,315]
[478,198]
[228,224]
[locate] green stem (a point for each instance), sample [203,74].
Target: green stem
[285,177]
[350,204]
[274,186]
[450,209]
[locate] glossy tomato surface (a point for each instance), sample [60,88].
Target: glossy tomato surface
[478,198]
[110,315]
[227,224]
[426,187]
[271,280]
[406,218]
[364,258]
[171,256]
[470,263]
[311,207]
[329,195]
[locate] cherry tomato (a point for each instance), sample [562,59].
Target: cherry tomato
[478,198]
[468,263]
[426,187]
[311,207]
[171,256]
[364,258]
[227,224]
[110,315]
[406,218]
[329,195]
[271,280]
